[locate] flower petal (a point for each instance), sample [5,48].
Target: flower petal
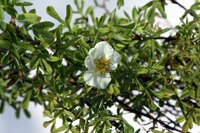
[103,80]
[114,60]
[101,49]
[97,80]
[89,62]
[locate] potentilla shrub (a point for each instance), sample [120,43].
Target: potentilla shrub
[90,70]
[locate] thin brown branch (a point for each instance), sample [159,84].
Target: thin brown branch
[127,108]
[136,36]
[177,3]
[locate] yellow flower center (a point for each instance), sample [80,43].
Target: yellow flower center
[102,65]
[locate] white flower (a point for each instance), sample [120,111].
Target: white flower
[101,60]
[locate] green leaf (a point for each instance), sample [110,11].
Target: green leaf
[46,113]
[104,128]
[53,58]
[151,15]
[89,10]
[142,71]
[128,128]
[24,4]
[127,26]
[186,93]
[51,11]
[185,127]
[120,3]
[1,13]
[157,131]
[137,131]
[14,2]
[2,26]
[26,46]
[26,100]
[69,14]
[157,66]
[116,90]
[161,9]
[110,90]
[47,123]
[34,62]
[4,2]
[60,129]
[74,130]
[70,114]
[101,20]
[5,44]
[46,67]
[27,113]
[43,25]
[5,59]
[180,119]
[11,11]
[134,14]
[29,18]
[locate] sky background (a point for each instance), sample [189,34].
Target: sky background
[10,124]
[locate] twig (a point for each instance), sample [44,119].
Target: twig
[136,36]
[177,3]
[127,108]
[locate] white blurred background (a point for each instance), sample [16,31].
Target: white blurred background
[10,124]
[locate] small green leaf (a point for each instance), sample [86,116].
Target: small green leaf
[26,100]
[43,25]
[47,123]
[157,131]
[134,14]
[46,67]
[26,46]
[60,129]
[127,26]
[101,20]
[89,10]
[11,11]
[34,62]
[29,18]
[46,113]
[51,11]
[120,3]
[24,4]
[128,128]
[186,93]
[2,26]
[70,114]
[74,130]
[53,58]
[116,90]
[142,71]
[27,113]
[5,59]
[110,90]
[5,44]
[1,13]
[185,127]
[151,15]
[180,119]
[161,9]
[69,14]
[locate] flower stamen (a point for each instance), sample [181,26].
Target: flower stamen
[102,65]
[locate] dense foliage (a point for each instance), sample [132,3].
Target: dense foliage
[157,78]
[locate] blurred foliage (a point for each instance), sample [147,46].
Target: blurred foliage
[159,73]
